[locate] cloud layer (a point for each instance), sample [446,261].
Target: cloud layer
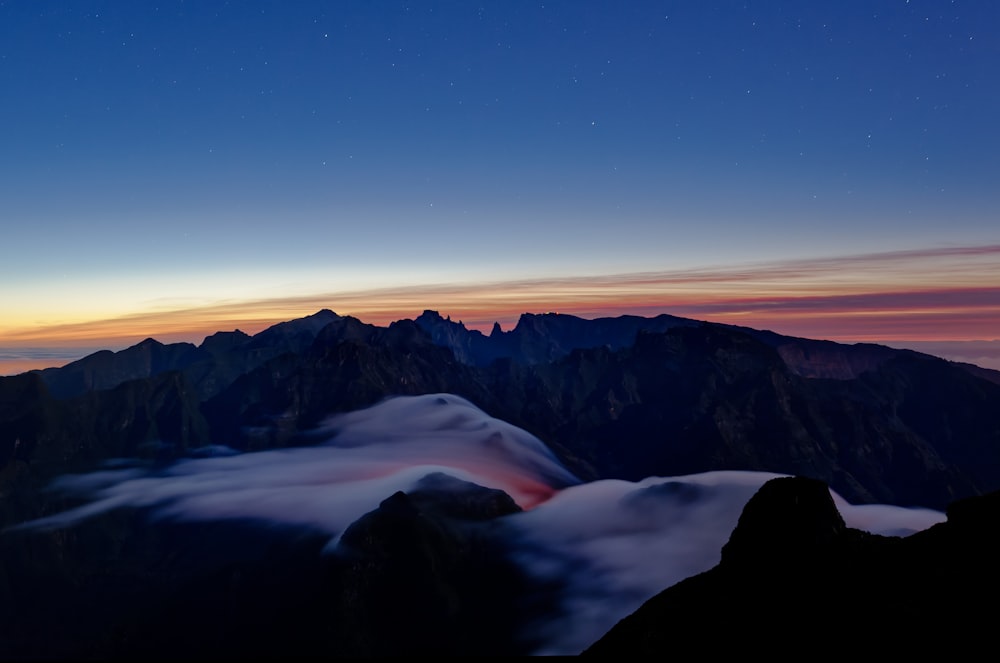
[367,455]
[610,544]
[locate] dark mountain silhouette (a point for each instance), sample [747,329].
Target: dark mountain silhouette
[106,369]
[623,398]
[541,338]
[794,576]
[220,359]
[425,574]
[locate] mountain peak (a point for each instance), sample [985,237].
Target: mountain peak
[432,316]
[432,320]
[222,341]
[785,517]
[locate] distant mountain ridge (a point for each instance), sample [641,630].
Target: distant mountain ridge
[537,338]
[221,356]
[618,397]
[540,338]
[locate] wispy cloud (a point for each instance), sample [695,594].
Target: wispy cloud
[363,457]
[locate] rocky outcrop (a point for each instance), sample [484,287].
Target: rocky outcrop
[794,578]
[426,575]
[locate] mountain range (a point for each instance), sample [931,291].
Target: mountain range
[96,568]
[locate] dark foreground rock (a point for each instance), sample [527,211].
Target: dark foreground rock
[795,581]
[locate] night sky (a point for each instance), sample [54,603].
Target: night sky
[170,169]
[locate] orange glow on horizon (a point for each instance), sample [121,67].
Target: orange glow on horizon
[942,295]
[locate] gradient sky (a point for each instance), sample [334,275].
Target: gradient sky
[170,169]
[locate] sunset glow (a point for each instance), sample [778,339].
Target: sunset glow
[942,295]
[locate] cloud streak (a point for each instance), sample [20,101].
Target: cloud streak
[367,455]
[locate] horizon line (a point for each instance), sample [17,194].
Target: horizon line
[986,350]
[915,295]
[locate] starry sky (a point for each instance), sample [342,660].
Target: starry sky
[171,169]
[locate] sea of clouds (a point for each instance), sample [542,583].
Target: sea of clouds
[610,544]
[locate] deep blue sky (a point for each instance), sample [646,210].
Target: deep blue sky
[193,152]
